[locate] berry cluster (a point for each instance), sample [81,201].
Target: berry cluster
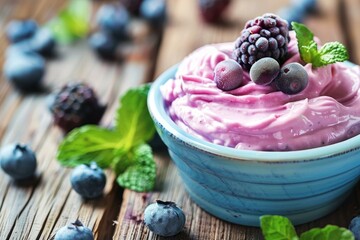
[265,36]
[76,104]
[115,24]
[25,64]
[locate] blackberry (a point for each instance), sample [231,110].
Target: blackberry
[211,10]
[265,36]
[76,104]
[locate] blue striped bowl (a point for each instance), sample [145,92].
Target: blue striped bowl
[241,185]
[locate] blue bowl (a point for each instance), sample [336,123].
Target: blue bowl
[239,186]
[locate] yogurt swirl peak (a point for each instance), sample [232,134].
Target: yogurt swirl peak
[258,117]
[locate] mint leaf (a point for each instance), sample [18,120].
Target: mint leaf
[277,228]
[331,53]
[137,169]
[89,143]
[329,232]
[306,44]
[133,120]
[72,22]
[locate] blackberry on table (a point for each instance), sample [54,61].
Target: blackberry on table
[76,104]
[264,36]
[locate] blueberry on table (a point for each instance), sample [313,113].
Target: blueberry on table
[228,75]
[88,180]
[354,227]
[304,5]
[18,30]
[18,161]
[292,14]
[292,78]
[104,45]
[74,231]
[153,11]
[113,19]
[164,218]
[43,42]
[25,71]
[264,71]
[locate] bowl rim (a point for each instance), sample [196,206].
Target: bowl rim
[158,113]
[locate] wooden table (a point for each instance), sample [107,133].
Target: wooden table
[38,209]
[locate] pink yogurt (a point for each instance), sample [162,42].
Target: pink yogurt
[260,117]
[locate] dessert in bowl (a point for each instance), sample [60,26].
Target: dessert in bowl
[254,150]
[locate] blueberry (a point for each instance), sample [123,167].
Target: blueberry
[19,48]
[264,71]
[104,45]
[354,227]
[164,218]
[88,180]
[306,6]
[43,42]
[18,160]
[74,231]
[228,75]
[18,30]
[292,14]
[113,18]
[154,11]
[25,71]
[292,79]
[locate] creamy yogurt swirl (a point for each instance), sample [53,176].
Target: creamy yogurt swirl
[260,117]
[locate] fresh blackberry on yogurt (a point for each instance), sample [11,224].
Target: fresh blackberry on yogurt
[76,104]
[164,218]
[265,36]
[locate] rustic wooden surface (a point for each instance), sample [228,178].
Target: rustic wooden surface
[36,210]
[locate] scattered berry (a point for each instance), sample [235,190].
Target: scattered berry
[18,160]
[133,6]
[164,218]
[25,71]
[43,42]
[75,105]
[306,6]
[354,227]
[154,11]
[88,180]
[228,75]
[264,71]
[113,19]
[211,10]
[104,45]
[74,231]
[292,78]
[18,30]
[265,36]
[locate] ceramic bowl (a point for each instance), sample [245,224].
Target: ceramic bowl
[239,186]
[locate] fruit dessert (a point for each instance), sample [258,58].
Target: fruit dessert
[271,90]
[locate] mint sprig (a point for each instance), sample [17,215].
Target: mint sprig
[123,148]
[280,228]
[329,53]
[72,22]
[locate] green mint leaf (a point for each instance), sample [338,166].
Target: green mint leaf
[89,143]
[276,227]
[133,120]
[331,53]
[72,22]
[329,232]
[306,44]
[137,169]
